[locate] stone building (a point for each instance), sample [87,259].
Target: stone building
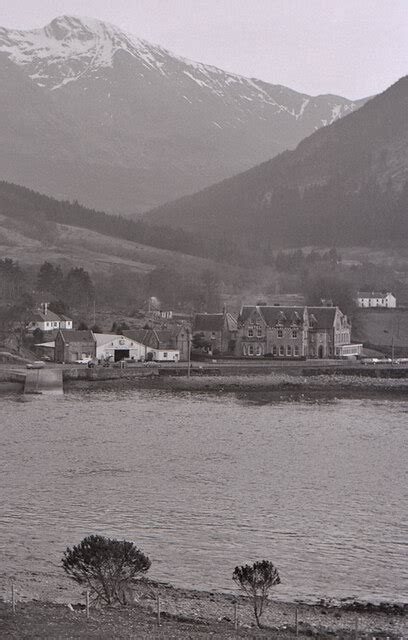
[218,330]
[329,331]
[276,331]
[294,333]
[71,345]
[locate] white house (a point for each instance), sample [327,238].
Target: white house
[163,355]
[371,299]
[47,320]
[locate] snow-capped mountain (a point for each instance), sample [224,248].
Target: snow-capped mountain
[93,113]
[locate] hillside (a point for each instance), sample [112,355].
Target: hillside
[92,113]
[36,215]
[34,228]
[344,184]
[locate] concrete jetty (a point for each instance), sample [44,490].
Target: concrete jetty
[40,381]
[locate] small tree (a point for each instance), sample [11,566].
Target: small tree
[109,568]
[256,581]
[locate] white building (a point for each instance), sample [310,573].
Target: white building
[47,320]
[372,299]
[113,347]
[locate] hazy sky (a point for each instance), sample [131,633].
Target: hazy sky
[350,47]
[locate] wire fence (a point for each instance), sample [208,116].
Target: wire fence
[354,634]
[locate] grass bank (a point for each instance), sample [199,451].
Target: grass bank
[195,614]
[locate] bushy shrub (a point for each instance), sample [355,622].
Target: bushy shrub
[108,568]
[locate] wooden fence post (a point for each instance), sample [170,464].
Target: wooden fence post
[13,599]
[235,616]
[87,602]
[158,611]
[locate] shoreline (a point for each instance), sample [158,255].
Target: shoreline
[298,386]
[186,607]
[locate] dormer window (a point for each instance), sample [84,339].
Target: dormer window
[280,333]
[294,333]
[250,332]
[259,332]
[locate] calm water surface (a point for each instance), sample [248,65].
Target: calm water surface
[204,482]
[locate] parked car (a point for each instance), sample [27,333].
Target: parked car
[83,361]
[37,364]
[370,360]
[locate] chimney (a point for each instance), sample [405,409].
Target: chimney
[45,308]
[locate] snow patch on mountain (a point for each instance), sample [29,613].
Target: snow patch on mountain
[70,49]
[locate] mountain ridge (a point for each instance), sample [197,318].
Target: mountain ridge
[356,168]
[138,125]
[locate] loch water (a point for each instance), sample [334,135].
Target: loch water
[203,482]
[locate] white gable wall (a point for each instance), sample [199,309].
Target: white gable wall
[107,344]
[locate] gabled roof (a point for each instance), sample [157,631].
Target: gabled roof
[373,294]
[274,315]
[50,316]
[138,335]
[322,317]
[71,335]
[231,322]
[208,322]
[105,338]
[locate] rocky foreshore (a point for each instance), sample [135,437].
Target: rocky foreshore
[281,385]
[187,613]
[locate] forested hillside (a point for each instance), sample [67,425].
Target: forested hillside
[40,212]
[345,184]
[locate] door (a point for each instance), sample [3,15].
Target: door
[120,354]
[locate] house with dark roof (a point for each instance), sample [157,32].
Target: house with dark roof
[218,331]
[173,339]
[294,332]
[276,331]
[47,320]
[330,333]
[71,345]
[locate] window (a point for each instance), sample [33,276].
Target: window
[244,350]
[294,333]
[281,350]
[274,350]
[250,332]
[251,350]
[288,350]
[296,350]
[259,332]
[213,334]
[258,350]
[280,333]
[165,354]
